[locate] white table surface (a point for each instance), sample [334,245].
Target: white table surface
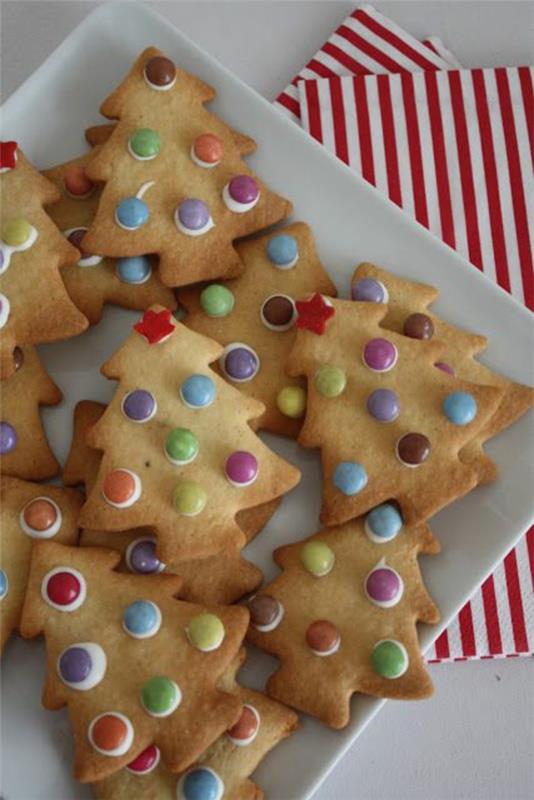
[475,739]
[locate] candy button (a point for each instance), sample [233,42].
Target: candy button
[389,659]
[134,270]
[160,696]
[141,557]
[444,367]
[121,488]
[18,358]
[200,783]
[278,312]
[206,632]
[380,355]
[383,523]
[383,405]
[207,150]
[40,518]
[198,391]
[146,761]
[5,308]
[160,73]
[141,619]
[317,558]
[241,468]
[76,236]
[76,182]
[82,666]
[192,217]
[322,637]
[131,213]
[189,498]
[369,290]
[239,362]
[16,232]
[8,438]
[64,588]
[241,194]
[291,401]
[4,261]
[384,586]
[246,728]
[413,449]
[349,477]
[144,144]
[460,408]
[4,584]
[266,612]
[217,301]
[181,446]
[418,326]
[330,381]
[283,251]
[139,405]
[111,733]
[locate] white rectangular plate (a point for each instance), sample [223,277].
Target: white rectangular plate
[352,223]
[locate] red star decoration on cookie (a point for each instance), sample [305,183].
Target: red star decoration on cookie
[8,155]
[313,314]
[155,325]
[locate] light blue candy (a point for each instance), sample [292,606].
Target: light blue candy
[350,477]
[201,784]
[282,249]
[141,618]
[132,212]
[134,270]
[460,408]
[3,584]
[384,521]
[198,391]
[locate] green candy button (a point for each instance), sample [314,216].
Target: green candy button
[389,659]
[206,632]
[16,232]
[181,446]
[145,143]
[317,558]
[216,300]
[189,498]
[160,696]
[330,381]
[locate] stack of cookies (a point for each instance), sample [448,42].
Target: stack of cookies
[133,572]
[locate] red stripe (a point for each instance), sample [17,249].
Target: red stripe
[516,603]
[369,49]
[338,113]
[491,616]
[389,139]
[314,113]
[414,149]
[466,169]
[467,633]
[364,129]
[392,38]
[344,59]
[442,646]
[320,69]
[492,183]
[530,548]
[516,183]
[290,103]
[440,160]
[525,80]
[430,46]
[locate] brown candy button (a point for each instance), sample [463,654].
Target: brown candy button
[265,611]
[418,326]
[278,311]
[413,449]
[75,238]
[322,637]
[18,358]
[40,514]
[160,71]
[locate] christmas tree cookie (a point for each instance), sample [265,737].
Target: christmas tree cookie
[95,280]
[179,455]
[388,423]
[29,512]
[408,313]
[254,315]
[176,181]
[134,665]
[342,615]
[24,449]
[34,304]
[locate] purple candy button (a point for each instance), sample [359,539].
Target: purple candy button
[383,405]
[240,363]
[241,468]
[380,355]
[383,586]
[139,405]
[193,214]
[243,189]
[369,291]
[444,367]
[8,438]
[141,557]
[75,665]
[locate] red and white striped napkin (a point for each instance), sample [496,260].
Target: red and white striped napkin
[451,147]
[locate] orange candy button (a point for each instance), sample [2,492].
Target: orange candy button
[119,487]
[77,182]
[40,514]
[109,732]
[246,726]
[208,148]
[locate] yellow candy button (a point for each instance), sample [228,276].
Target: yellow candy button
[16,232]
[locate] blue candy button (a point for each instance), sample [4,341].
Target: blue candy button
[198,391]
[460,408]
[3,584]
[350,477]
[142,619]
[283,251]
[202,783]
[383,523]
[134,270]
[131,213]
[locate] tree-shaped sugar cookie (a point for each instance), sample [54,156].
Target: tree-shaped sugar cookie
[408,313]
[253,316]
[179,455]
[95,280]
[342,615]
[388,423]
[134,665]
[222,578]
[28,512]
[34,304]
[24,449]
[176,181]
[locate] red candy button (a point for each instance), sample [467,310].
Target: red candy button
[145,761]
[246,726]
[63,588]
[77,183]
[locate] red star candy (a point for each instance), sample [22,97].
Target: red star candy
[8,155]
[155,325]
[313,314]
